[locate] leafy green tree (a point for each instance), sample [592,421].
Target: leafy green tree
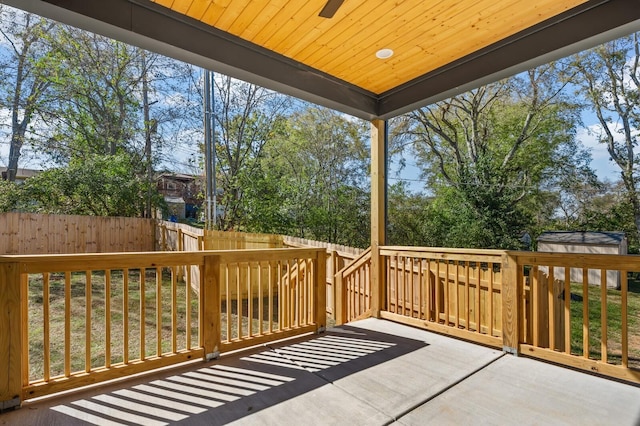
[486,151]
[317,173]
[10,195]
[609,80]
[408,217]
[99,185]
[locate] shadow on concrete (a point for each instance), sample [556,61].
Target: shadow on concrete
[237,386]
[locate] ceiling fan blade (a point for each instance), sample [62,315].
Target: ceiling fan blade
[330,8]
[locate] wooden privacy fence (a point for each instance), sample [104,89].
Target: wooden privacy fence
[73,320]
[522,302]
[30,233]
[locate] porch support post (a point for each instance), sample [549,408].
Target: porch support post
[378,215]
[511,303]
[11,356]
[210,307]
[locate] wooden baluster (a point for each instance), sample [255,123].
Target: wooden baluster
[67,324]
[174,306]
[567,310]
[270,283]
[87,322]
[249,302]
[624,317]
[227,283]
[46,354]
[535,303]
[552,308]
[456,294]
[260,301]
[107,318]
[158,311]
[603,315]
[421,299]
[478,284]
[467,295]
[585,313]
[428,292]
[397,285]
[143,313]
[490,298]
[447,295]
[437,293]
[125,316]
[187,315]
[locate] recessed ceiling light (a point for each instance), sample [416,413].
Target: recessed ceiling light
[384,53]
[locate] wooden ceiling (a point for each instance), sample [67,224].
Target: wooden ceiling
[441,47]
[424,35]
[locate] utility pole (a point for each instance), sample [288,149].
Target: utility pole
[147,135]
[209,150]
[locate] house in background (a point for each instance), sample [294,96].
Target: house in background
[582,242]
[21,175]
[182,193]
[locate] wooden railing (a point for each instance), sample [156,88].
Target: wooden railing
[353,289]
[179,237]
[578,310]
[73,320]
[338,257]
[582,310]
[182,237]
[452,291]
[267,297]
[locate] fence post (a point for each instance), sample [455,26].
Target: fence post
[210,307]
[511,302]
[321,290]
[10,337]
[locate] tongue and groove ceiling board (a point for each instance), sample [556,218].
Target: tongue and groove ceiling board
[441,47]
[424,35]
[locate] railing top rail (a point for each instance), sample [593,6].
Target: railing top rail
[341,253]
[578,260]
[356,263]
[99,261]
[256,255]
[472,255]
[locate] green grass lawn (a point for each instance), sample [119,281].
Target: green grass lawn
[614,323]
[98,321]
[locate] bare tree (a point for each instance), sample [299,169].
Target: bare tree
[246,118]
[25,81]
[611,85]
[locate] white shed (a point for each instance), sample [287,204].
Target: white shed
[585,242]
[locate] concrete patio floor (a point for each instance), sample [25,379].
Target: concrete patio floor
[371,372]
